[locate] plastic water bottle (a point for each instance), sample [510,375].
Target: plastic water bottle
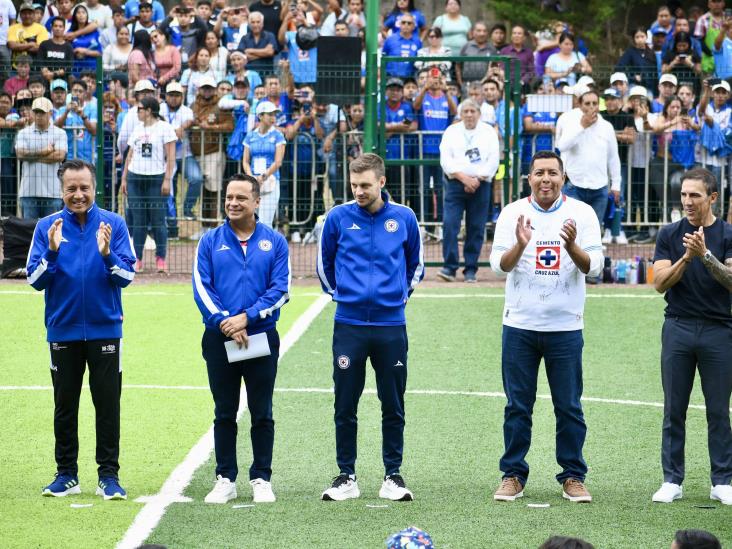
[622,271]
[607,270]
[633,277]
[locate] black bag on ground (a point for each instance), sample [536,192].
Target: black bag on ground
[17,238]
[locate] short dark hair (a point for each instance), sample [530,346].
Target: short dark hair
[146,5]
[498,26]
[544,155]
[563,542]
[706,177]
[37,79]
[203,2]
[491,81]
[79,82]
[243,177]
[696,539]
[57,18]
[368,162]
[76,165]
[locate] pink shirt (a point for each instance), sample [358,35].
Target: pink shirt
[146,71]
[168,63]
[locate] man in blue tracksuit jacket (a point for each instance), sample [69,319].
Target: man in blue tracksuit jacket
[241,278]
[370,260]
[81,256]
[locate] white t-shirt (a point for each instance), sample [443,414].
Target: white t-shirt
[545,292]
[176,119]
[7,12]
[148,146]
[100,14]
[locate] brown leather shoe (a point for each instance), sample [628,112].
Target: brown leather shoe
[574,490]
[509,490]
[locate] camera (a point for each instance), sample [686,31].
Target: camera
[307,108]
[435,72]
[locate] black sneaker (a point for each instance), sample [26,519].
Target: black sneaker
[394,489]
[343,487]
[446,275]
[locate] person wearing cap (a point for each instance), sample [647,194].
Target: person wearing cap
[81,257]
[400,120]
[619,81]
[244,117]
[79,119]
[589,151]
[692,267]
[264,151]
[146,179]
[41,147]
[59,91]
[714,111]
[143,88]
[624,126]
[26,37]
[404,43]
[666,88]
[639,62]
[542,243]
[56,55]
[208,142]
[180,117]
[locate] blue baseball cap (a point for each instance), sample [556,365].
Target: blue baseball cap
[611,92]
[58,83]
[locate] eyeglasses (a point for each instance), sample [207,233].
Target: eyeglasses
[407,22]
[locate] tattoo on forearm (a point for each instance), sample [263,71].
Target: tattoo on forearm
[722,272]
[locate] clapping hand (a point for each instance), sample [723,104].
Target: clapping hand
[568,232]
[523,230]
[695,244]
[104,238]
[54,235]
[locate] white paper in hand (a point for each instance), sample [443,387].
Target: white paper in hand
[258,347]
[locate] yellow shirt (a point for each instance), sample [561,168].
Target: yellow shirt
[34,33]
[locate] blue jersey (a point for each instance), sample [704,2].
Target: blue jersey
[83,289]
[397,45]
[80,140]
[262,149]
[91,42]
[229,279]
[132,9]
[434,116]
[370,263]
[535,142]
[303,63]
[398,114]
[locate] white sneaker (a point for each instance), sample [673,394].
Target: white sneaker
[722,493]
[607,238]
[621,238]
[223,491]
[295,237]
[343,487]
[262,491]
[394,489]
[668,493]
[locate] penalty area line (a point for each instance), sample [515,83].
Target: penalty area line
[172,489]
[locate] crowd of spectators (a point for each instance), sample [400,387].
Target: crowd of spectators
[237,84]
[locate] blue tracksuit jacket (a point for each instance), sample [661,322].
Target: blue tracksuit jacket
[226,282]
[370,264]
[83,289]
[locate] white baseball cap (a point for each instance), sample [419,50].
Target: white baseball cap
[43,104]
[670,78]
[143,85]
[586,81]
[207,81]
[618,77]
[723,84]
[578,90]
[638,91]
[266,107]
[174,87]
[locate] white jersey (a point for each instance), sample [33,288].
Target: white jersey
[545,292]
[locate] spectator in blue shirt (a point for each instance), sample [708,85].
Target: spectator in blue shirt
[723,51]
[86,46]
[259,45]
[132,9]
[392,22]
[405,43]
[80,122]
[303,63]
[399,120]
[435,108]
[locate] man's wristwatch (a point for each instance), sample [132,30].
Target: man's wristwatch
[708,256]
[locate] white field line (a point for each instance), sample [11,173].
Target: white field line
[425,392]
[172,490]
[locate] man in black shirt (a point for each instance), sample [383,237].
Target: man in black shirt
[624,126]
[271,10]
[693,266]
[56,54]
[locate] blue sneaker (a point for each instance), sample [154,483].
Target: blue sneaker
[109,488]
[62,485]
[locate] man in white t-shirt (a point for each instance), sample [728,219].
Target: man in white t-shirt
[7,18]
[99,13]
[547,243]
